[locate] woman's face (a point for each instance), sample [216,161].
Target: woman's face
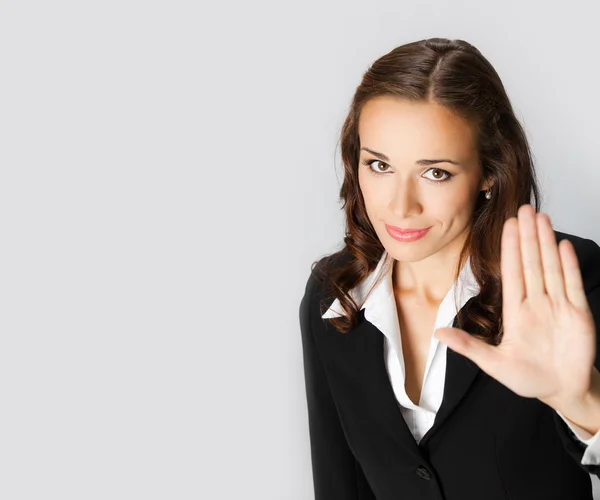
[405,188]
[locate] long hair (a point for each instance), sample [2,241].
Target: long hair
[454,74]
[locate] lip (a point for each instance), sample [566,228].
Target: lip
[406,234]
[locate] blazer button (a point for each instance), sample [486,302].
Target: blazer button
[423,472]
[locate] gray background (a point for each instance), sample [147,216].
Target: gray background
[168,173]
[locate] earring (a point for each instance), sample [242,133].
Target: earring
[488,194]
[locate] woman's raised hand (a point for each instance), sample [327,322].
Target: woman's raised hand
[549,341]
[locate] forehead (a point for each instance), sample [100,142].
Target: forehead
[393,126]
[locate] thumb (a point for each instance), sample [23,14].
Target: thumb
[481,353]
[455,338]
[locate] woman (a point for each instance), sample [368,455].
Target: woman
[450,346]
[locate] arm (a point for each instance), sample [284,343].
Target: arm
[336,473]
[591,455]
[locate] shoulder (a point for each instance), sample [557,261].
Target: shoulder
[318,288]
[320,268]
[588,255]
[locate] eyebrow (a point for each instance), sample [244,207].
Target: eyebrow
[418,162]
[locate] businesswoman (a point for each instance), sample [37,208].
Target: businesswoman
[450,347]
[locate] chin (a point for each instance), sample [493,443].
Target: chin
[408,252]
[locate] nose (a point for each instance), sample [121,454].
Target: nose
[405,202]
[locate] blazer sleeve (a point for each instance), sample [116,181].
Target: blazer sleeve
[591,454]
[588,253]
[337,475]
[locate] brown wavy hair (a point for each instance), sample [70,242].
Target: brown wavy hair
[455,74]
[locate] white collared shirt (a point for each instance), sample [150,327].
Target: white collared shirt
[380,310]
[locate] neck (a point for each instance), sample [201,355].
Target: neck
[429,279]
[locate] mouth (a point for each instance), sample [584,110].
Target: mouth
[406,234]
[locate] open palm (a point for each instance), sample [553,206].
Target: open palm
[549,341]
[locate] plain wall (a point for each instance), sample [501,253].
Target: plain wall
[169,171]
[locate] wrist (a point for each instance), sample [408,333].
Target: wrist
[582,410]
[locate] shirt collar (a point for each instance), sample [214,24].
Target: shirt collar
[380,304]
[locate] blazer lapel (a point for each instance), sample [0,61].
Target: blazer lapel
[460,374]
[359,359]
[364,356]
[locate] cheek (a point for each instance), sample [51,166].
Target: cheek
[374,198]
[369,191]
[453,202]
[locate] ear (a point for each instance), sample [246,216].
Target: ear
[487,184]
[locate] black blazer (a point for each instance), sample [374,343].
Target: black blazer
[487,443]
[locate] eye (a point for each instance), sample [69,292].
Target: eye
[435,179]
[369,164]
[438,172]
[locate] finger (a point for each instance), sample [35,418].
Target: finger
[553,273]
[530,253]
[572,274]
[513,283]
[484,355]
